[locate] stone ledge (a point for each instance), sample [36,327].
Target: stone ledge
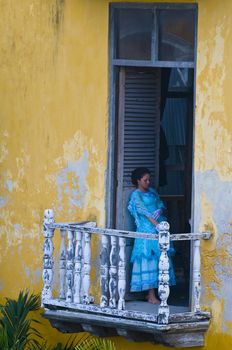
[184,330]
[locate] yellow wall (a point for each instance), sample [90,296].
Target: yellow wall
[54,125]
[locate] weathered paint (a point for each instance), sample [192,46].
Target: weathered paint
[54,117]
[213,165]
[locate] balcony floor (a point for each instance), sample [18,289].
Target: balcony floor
[144,306]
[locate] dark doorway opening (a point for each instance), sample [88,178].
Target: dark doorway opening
[154,129]
[175,167]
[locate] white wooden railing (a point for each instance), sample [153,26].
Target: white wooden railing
[75,264]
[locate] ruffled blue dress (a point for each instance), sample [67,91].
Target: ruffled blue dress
[146,253]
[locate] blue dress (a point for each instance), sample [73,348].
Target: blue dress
[146,253]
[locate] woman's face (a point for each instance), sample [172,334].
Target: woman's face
[144,182]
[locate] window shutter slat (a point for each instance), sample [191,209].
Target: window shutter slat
[141,122]
[138,133]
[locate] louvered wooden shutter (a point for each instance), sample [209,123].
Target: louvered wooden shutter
[138,132]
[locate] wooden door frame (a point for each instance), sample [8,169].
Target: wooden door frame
[114,65]
[120,140]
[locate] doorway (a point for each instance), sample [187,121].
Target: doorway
[154,130]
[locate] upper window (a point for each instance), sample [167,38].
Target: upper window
[176,35]
[134,33]
[153,33]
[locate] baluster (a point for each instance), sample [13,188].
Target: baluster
[104,279]
[69,273]
[122,273]
[48,255]
[82,266]
[196,275]
[62,264]
[78,265]
[86,269]
[163,290]
[113,272]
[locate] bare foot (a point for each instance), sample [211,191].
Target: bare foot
[151,298]
[154,301]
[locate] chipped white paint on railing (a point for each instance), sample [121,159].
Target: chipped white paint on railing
[70,265]
[131,234]
[113,272]
[82,264]
[86,268]
[77,267]
[122,273]
[48,255]
[163,290]
[62,264]
[86,298]
[104,271]
[196,275]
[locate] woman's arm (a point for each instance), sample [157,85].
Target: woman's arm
[140,207]
[157,214]
[137,204]
[161,207]
[153,221]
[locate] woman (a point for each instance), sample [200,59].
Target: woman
[148,210]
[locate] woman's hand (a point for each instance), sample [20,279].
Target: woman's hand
[153,221]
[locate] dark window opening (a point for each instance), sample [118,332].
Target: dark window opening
[176,35]
[175,167]
[134,29]
[155,118]
[154,34]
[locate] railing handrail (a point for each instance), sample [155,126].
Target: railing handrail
[126,234]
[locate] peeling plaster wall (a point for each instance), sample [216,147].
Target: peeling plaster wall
[53,99]
[213,164]
[53,140]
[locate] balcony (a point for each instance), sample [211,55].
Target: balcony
[73,309]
